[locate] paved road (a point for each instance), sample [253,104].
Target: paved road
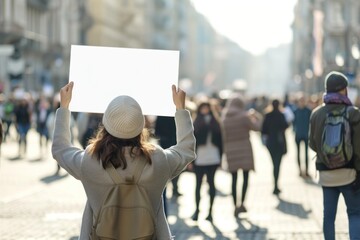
[36,204]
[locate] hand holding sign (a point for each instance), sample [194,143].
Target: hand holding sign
[178,97]
[66,94]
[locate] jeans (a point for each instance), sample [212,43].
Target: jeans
[352,201]
[298,141]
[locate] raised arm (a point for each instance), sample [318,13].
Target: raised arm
[68,156]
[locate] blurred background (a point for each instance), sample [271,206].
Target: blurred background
[259,47]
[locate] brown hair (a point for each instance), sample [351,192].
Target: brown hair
[110,149]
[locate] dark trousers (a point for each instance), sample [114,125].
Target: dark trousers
[244,186]
[276,160]
[298,141]
[7,128]
[209,171]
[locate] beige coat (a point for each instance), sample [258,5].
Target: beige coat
[166,164]
[237,124]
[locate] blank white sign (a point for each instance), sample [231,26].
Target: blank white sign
[102,73]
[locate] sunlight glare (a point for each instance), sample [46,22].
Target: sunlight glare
[255,25]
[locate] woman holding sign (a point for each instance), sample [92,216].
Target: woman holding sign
[121,144]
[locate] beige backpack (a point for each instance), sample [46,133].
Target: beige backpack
[126,212]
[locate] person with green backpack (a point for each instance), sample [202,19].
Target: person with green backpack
[122,172]
[334,135]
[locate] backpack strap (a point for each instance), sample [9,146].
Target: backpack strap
[139,168]
[111,170]
[134,178]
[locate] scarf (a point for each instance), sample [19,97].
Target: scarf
[336,98]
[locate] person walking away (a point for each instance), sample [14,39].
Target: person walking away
[122,142]
[1,132]
[207,131]
[8,116]
[273,135]
[301,129]
[1,135]
[43,111]
[237,122]
[94,120]
[344,180]
[23,123]
[288,110]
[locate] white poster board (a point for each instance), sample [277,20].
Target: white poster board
[102,73]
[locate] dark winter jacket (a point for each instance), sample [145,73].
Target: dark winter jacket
[273,129]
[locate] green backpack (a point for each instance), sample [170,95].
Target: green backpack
[126,212]
[336,148]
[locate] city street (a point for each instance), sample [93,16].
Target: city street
[36,204]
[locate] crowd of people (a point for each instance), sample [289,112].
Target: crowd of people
[222,129]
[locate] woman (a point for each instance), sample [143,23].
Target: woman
[120,142]
[23,123]
[273,135]
[208,150]
[237,123]
[43,111]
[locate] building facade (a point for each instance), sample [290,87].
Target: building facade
[36,35]
[39,34]
[331,43]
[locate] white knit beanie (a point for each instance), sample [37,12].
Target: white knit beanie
[123,118]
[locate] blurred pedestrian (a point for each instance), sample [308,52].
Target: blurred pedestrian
[23,123]
[344,180]
[207,132]
[1,135]
[288,109]
[8,116]
[301,129]
[2,101]
[92,124]
[237,122]
[43,110]
[1,132]
[121,142]
[273,135]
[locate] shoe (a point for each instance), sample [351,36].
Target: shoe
[242,209]
[239,210]
[209,218]
[195,216]
[276,191]
[236,212]
[177,194]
